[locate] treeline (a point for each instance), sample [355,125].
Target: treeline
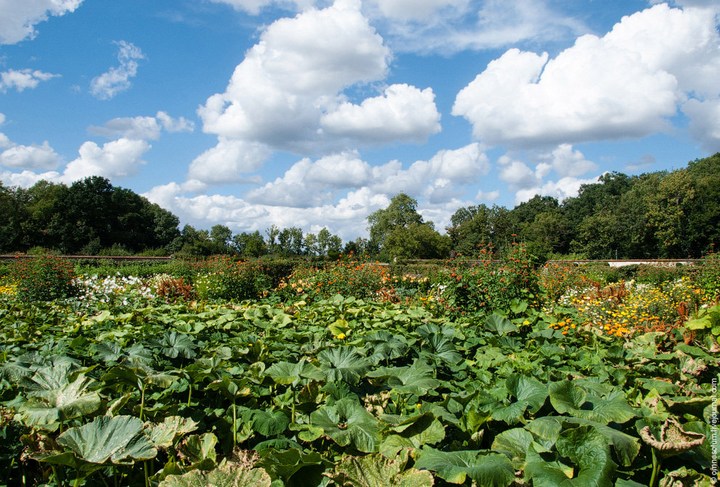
[668,214]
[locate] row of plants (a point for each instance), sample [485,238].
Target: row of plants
[494,373]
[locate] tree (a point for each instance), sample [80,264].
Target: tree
[399,231]
[250,244]
[220,236]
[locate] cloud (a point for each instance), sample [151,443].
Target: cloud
[705,122]
[255,6]
[625,84]
[294,75]
[23,79]
[564,162]
[117,79]
[144,128]
[309,183]
[32,157]
[18,19]
[228,162]
[117,158]
[407,10]
[337,191]
[402,113]
[450,26]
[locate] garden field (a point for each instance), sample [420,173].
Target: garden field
[225,373]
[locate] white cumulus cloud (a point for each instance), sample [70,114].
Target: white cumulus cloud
[117,158]
[117,78]
[402,113]
[625,84]
[30,157]
[294,74]
[19,17]
[229,161]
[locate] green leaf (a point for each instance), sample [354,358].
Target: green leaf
[590,454]
[347,422]
[343,363]
[173,344]
[200,450]
[379,471]
[287,373]
[227,475]
[568,398]
[414,379]
[500,325]
[514,443]
[285,464]
[486,469]
[413,433]
[119,439]
[529,394]
[267,423]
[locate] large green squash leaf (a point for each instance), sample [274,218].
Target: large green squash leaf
[379,471]
[590,454]
[119,439]
[571,399]
[414,379]
[514,443]
[343,363]
[347,422]
[284,464]
[414,432]
[529,395]
[487,469]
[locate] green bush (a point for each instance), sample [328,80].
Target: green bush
[43,278]
[487,284]
[708,275]
[225,278]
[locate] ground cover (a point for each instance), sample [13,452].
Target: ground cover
[492,374]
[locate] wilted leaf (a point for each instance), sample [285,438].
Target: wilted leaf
[227,475]
[379,471]
[164,434]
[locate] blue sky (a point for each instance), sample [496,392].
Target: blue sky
[307,113]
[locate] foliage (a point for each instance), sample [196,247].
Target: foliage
[43,278]
[488,284]
[226,278]
[319,390]
[347,277]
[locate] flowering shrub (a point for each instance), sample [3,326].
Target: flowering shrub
[113,290]
[347,277]
[172,288]
[626,308]
[489,284]
[43,278]
[225,278]
[555,278]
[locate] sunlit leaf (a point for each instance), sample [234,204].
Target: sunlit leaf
[119,439]
[487,469]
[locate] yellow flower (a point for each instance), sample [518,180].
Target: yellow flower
[340,336]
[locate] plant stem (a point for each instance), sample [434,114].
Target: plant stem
[656,469]
[234,425]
